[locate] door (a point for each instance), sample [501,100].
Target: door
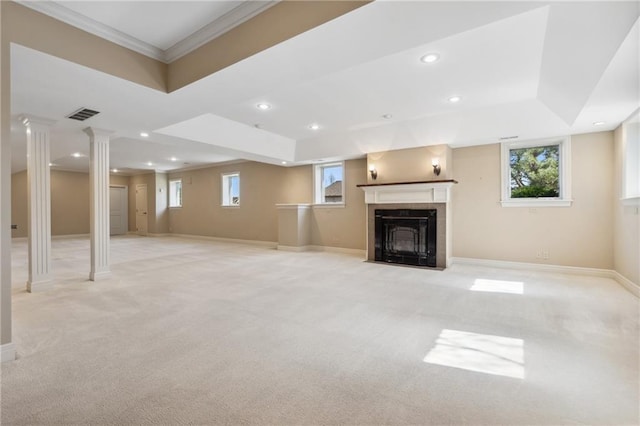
[141,209]
[119,212]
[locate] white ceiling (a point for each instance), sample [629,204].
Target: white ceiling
[163,30]
[531,70]
[159,23]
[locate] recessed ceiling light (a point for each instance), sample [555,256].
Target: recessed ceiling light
[174,159]
[314,126]
[76,155]
[598,123]
[50,164]
[454,99]
[144,134]
[114,170]
[263,106]
[430,58]
[284,162]
[387,116]
[149,163]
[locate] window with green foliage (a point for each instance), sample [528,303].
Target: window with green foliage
[536,173]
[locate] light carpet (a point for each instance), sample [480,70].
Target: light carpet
[201,332]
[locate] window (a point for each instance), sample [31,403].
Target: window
[329,183]
[231,189]
[631,159]
[175,193]
[536,173]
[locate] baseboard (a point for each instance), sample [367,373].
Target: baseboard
[296,249]
[7,352]
[38,286]
[560,269]
[69,236]
[505,264]
[57,237]
[626,283]
[267,244]
[99,276]
[353,252]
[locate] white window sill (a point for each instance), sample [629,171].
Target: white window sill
[536,202]
[175,207]
[631,201]
[329,206]
[234,206]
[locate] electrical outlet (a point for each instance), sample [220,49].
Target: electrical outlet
[542,254]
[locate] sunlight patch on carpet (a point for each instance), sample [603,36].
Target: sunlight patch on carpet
[498,286]
[483,353]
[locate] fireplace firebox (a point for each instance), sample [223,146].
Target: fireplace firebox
[406,236]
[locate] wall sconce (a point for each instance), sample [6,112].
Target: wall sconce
[373,171]
[436,166]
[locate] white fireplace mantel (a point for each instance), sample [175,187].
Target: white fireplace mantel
[436,191]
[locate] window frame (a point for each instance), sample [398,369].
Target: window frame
[630,195]
[564,174]
[178,206]
[225,195]
[318,189]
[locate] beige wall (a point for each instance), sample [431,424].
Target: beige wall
[29,28]
[119,180]
[579,235]
[343,227]
[19,204]
[410,165]
[202,214]
[262,186]
[298,187]
[626,223]
[5,182]
[69,202]
[161,223]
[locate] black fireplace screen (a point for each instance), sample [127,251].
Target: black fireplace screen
[406,236]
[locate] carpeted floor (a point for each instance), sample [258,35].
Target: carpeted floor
[200,332]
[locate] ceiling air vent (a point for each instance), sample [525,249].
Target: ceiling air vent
[82,114]
[508,138]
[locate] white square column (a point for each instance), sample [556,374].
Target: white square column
[99,199]
[38,203]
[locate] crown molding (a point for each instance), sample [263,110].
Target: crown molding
[240,14]
[89,25]
[231,19]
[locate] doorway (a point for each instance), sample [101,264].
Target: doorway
[118,210]
[141,209]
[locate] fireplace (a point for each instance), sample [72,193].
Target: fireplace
[406,236]
[419,228]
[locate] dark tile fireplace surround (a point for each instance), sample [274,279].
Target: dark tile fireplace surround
[407,222]
[417,231]
[406,236]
